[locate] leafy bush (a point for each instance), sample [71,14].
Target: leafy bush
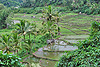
[88,9]
[9,60]
[88,54]
[80,58]
[95,28]
[3,16]
[61,9]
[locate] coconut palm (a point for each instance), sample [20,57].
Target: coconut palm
[26,28]
[49,27]
[6,43]
[22,27]
[16,42]
[31,30]
[49,24]
[56,17]
[47,14]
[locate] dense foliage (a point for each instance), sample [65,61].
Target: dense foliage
[88,54]
[37,3]
[28,10]
[3,17]
[9,60]
[93,8]
[83,6]
[10,3]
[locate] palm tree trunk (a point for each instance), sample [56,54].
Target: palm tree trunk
[58,28]
[24,37]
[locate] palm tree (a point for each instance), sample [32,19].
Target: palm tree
[6,43]
[16,42]
[48,14]
[49,27]
[56,16]
[10,43]
[49,24]
[22,27]
[31,29]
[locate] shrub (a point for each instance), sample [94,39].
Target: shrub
[80,58]
[9,60]
[28,10]
[61,9]
[3,16]
[88,9]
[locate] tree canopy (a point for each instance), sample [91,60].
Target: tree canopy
[36,3]
[10,3]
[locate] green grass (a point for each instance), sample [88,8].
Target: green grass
[78,22]
[65,31]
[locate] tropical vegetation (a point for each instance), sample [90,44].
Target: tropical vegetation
[27,25]
[9,60]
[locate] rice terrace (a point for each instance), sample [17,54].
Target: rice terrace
[49,33]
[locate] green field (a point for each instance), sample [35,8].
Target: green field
[70,23]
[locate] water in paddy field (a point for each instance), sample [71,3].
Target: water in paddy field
[40,63]
[49,55]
